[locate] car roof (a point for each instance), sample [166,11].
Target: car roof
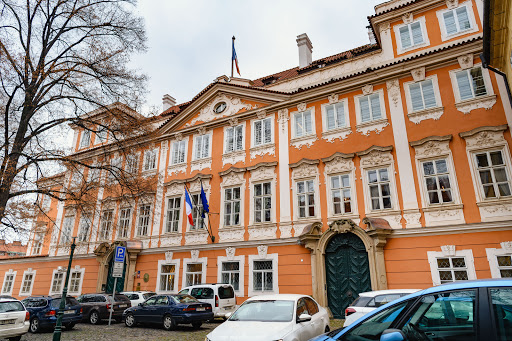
[277,297]
[137,292]
[5,299]
[389,291]
[208,285]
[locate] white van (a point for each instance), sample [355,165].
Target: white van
[220,296]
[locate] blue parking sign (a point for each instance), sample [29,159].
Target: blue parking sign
[120,253]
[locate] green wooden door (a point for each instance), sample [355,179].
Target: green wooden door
[110,280]
[347,271]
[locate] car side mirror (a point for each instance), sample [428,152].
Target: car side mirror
[228,315]
[392,335]
[304,318]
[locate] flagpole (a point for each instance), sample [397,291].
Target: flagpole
[232,60]
[195,204]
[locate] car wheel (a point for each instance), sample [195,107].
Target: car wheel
[129,320]
[34,325]
[197,325]
[94,318]
[16,338]
[169,323]
[70,326]
[327,329]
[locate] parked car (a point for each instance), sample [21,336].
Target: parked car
[137,297]
[169,311]
[97,307]
[274,317]
[14,319]
[43,312]
[371,300]
[465,310]
[220,296]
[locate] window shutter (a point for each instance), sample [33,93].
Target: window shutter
[365,108]
[298,125]
[405,36]
[307,123]
[239,138]
[417,35]
[331,124]
[258,132]
[229,139]
[464,85]
[449,22]
[268,130]
[462,18]
[340,114]
[375,102]
[428,94]
[416,99]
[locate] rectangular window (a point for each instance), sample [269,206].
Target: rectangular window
[335,116]
[26,285]
[194,273]
[86,139]
[341,194]
[101,134]
[306,198]
[493,174]
[456,20]
[83,229]
[106,224]
[38,243]
[144,215]
[263,275]
[232,206]
[369,107]
[46,202]
[380,189]
[471,83]
[8,282]
[197,212]
[262,202]
[125,217]
[173,214]
[178,152]
[150,160]
[115,168]
[437,181]
[422,95]
[167,277]
[452,269]
[505,265]
[132,164]
[230,274]
[202,146]
[67,230]
[303,123]
[411,35]
[234,138]
[57,281]
[74,282]
[262,131]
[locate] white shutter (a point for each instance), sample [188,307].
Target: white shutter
[375,103]
[299,124]
[464,85]
[417,35]
[198,147]
[308,129]
[329,113]
[181,152]
[478,81]
[405,37]
[206,145]
[175,152]
[258,132]
[428,94]
[340,115]
[364,106]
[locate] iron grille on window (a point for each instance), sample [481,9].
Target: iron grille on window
[505,266]
[167,276]
[263,276]
[231,274]
[452,269]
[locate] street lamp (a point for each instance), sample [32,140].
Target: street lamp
[58,327]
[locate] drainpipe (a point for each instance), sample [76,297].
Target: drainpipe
[502,74]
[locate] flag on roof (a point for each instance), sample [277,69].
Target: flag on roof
[234,58]
[188,206]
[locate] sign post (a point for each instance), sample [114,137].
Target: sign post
[117,272]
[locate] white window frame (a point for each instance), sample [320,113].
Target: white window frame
[8,273]
[330,209]
[130,222]
[253,201]
[468,260]
[81,271]
[471,17]
[223,205]
[274,257]
[366,186]
[38,243]
[150,220]
[176,263]
[83,138]
[487,82]
[209,151]
[63,239]
[24,278]
[437,94]
[344,103]
[225,147]
[313,125]
[206,217]
[315,196]
[492,257]
[241,263]
[105,224]
[180,216]
[146,165]
[398,39]
[101,134]
[187,261]
[253,132]
[174,146]
[55,271]
[84,219]
[359,118]
[273,200]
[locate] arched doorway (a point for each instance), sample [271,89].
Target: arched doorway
[347,271]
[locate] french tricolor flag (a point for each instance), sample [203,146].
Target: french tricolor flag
[188,207]
[234,59]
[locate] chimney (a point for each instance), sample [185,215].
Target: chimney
[168,101]
[371,35]
[305,50]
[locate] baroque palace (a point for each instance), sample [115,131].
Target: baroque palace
[386,166]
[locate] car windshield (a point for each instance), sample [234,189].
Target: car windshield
[35,302]
[184,299]
[361,301]
[148,295]
[6,307]
[264,311]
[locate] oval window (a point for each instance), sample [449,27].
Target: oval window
[220,107]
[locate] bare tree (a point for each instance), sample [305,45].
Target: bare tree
[60,59]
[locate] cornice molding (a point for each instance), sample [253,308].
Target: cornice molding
[430,138]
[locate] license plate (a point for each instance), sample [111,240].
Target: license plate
[68,312]
[200,309]
[123,305]
[7,322]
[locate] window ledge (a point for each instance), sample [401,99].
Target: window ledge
[149,172]
[481,102]
[336,133]
[233,157]
[377,126]
[177,168]
[492,202]
[201,164]
[439,207]
[307,140]
[268,148]
[413,47]
[434,113]
[196,237]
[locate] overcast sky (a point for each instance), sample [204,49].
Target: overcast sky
[189,41]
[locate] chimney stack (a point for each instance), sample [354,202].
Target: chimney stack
[305,50]
[168,101]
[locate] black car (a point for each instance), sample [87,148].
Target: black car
[169,311]
[97,307]
[43,312]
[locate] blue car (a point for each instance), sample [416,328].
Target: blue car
[169,311]
[465,310]
[43,312]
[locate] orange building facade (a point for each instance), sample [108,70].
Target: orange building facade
[386,166]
